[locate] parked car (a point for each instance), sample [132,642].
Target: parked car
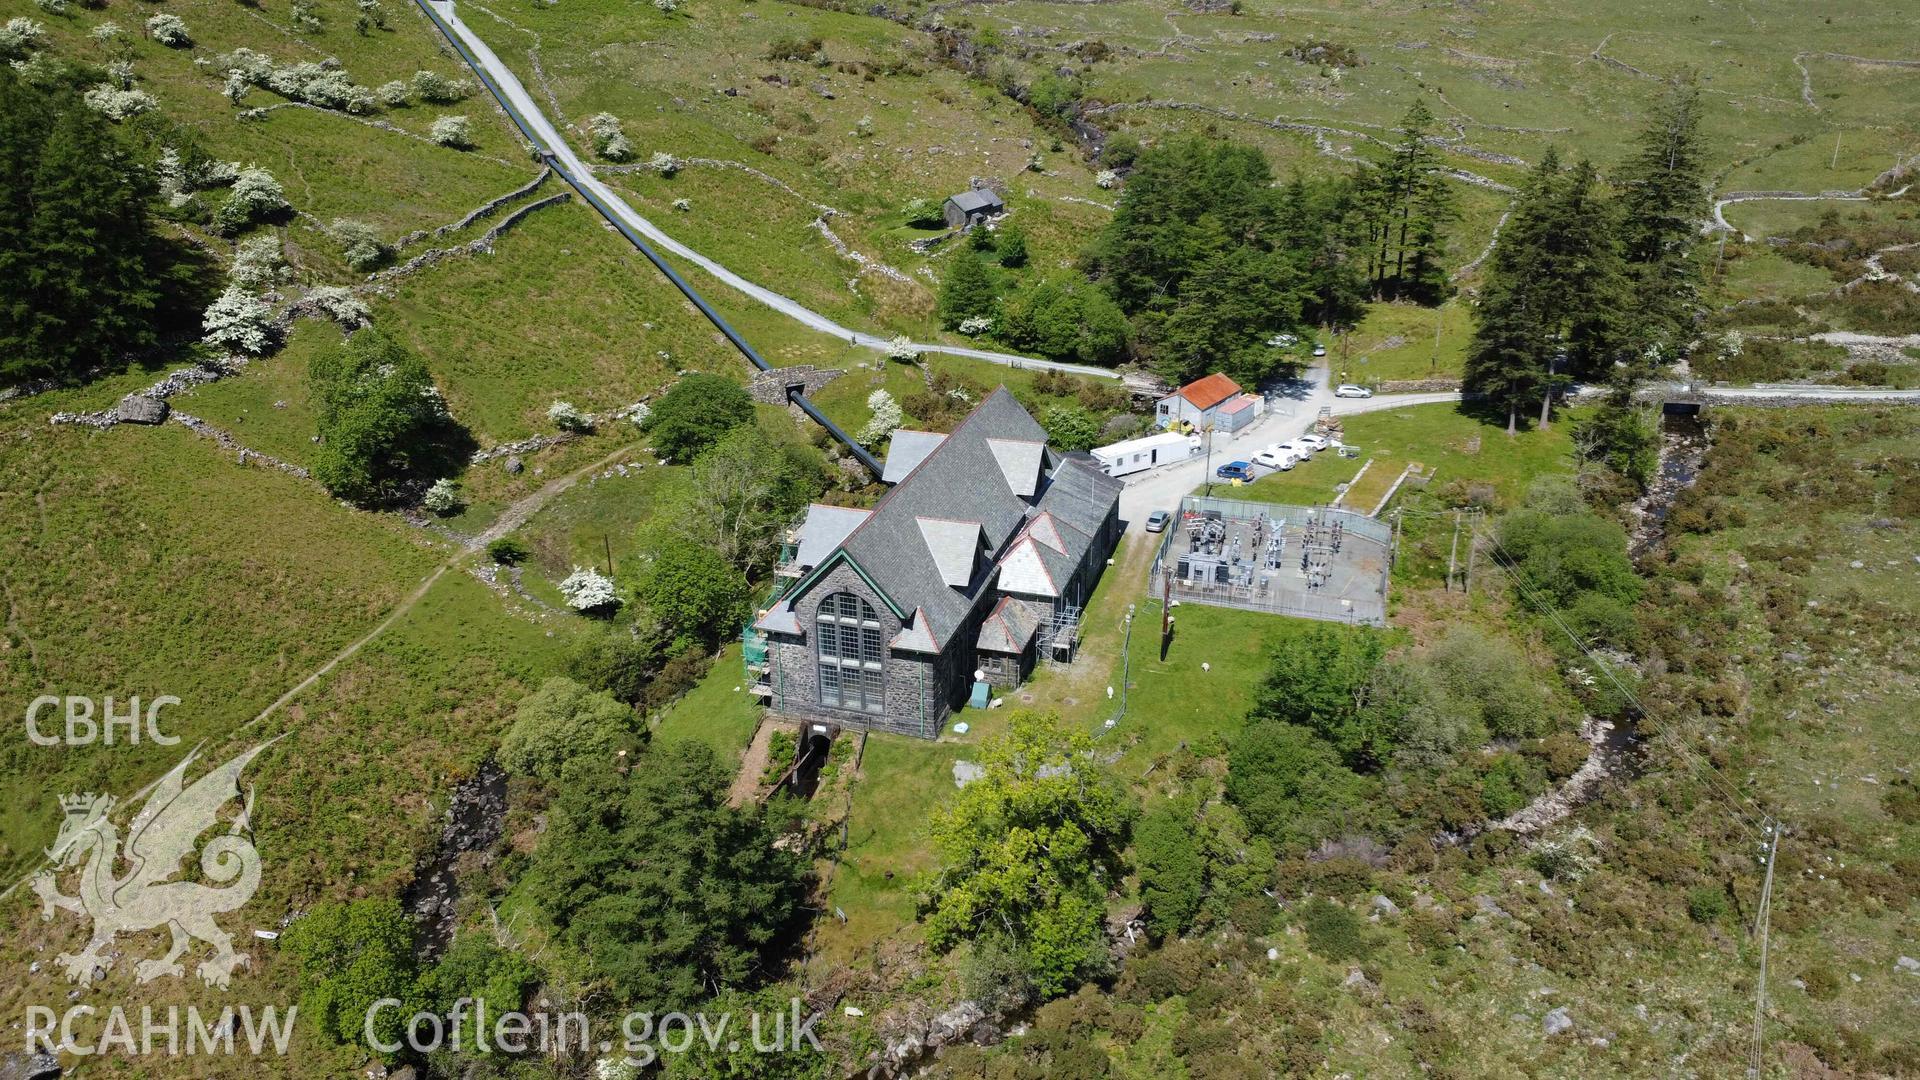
[1235,470]
[1314,443]
[1157,521]
[1319,350]
[1275,458]
[1348,389]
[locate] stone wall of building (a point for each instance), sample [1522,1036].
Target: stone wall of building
[770,387]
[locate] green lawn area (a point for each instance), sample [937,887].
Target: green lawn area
[718,711]
[1397,341]
[1313,482]
[266,406]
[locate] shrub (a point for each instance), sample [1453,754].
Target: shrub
[52,7]
[437,89]
[923,214]
[695,413]
[339,304]
[352,955]
[258,263]
[452,131]
[1107,178]
[1070,427]
[695,593]
[239,322]
[567,417]
[1333,932]
[561,721]
[169,30]
[586,589]
[620,661]
[443,497]
[903,349]
[1707,904]
[508,552]
[117,104]
[1012,247]
[380,417]
[256,197]
[789,47]
[608,140]
[886,417]
[995,976]
[676,677]
[394,94]
[359,244]
[664,163]
[21,35]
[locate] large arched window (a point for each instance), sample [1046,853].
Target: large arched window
[851,654]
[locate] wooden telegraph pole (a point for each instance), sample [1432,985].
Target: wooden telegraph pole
[1453,552]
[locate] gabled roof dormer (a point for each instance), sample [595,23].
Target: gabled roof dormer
[955,548]
[1020,461]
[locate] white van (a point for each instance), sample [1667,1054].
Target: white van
[1276,458]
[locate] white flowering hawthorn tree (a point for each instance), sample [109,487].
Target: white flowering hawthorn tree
[903,349]
[567,416]
[258,262]
[664,163]
[455,131]
[886,418]
[587,589]
[238,321]
[443,497]
[256,196]
[608,140]
[169,30]
[338,303]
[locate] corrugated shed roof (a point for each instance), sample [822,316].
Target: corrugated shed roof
[907,450]
[1239,404]
[1207,392]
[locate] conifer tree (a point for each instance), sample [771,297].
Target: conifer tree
[1405,206]
[1663,200]
[81,270]
[967,291]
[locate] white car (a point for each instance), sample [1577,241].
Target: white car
[1313,443]
[1273,457]
[1319,350]
[1350,390]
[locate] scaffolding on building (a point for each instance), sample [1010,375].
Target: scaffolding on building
[1060,635]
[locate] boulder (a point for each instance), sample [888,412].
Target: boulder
[1908,964]
[1385,905]
[141,409]
[515,466]
[19,1066]
[1556,1022]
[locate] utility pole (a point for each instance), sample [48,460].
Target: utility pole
[1454,551]
[1433,365]
[1473,548]
[608,545]
[1761,918]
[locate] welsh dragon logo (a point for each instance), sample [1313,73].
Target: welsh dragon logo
[159,839]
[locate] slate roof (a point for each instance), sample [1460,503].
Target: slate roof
[1008,628]
[823,530]
[974,200]
[907,450]
[965,480]
[1207,392]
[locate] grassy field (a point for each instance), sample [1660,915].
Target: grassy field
[1399,341]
